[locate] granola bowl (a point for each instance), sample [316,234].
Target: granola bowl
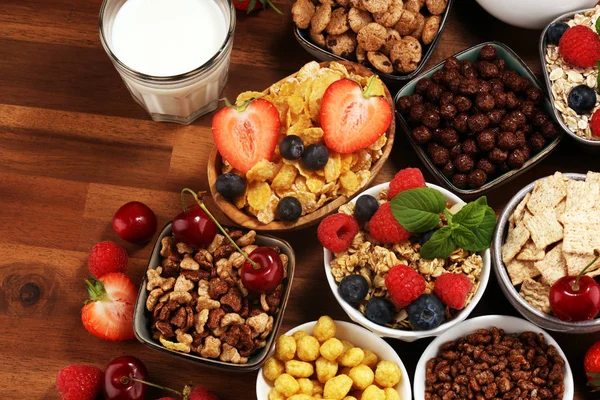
[360,337]
[527,310]
[144,324]
[551,62]
[405,334]
[510,325]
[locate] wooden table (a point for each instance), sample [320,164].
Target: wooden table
[74,147]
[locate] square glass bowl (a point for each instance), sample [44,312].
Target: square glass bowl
[303,37]
[513,61]
[142,317]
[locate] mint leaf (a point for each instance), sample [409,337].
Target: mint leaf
[440,245]
[418,210]
[484,232]
[598,26]
[462,236]
[471,215]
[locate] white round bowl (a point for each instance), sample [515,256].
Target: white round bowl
[509,324]
[359,337]
[405,335]
[532,14]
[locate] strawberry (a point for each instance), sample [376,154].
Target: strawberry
[108,313]
[198,393]
[591,364]
[79,382]
[247,133]
[352,119]
[254,5]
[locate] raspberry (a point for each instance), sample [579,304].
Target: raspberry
[596,123]
[453,289]
[384,228]
[107,257]
[404,285]
[337,231]
[409,178]
[580,46]
[79,382]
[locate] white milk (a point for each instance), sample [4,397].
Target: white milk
[159,39]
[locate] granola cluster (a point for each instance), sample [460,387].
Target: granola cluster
[373,260]
[199,304]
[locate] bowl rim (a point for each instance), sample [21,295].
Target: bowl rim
[477,323]
[304,42]
[385,331]
[141,318]
[507,176]
[406,384]
[543,44]
[249,221]
[502,274]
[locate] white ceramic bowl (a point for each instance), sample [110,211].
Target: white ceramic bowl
[405,335]
[509,324]
[532,14]
[361,338]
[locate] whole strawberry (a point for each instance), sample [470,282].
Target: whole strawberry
[107,257]
[79,382]
[591,364]
[453,290]
[384,227]
[580,46]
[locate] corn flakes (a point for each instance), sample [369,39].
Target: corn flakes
[259,194]
[245,96]
[262,171]
[333,168]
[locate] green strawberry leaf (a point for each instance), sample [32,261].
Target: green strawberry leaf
[441,245]
[471,215]
[483,233]
[418,210]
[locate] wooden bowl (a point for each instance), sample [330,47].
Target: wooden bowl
[248,221]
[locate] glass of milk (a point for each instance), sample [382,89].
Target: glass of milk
[173,55]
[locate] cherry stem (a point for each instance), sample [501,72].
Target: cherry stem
[270,3]
[126,380]
[576,284]
[203,207]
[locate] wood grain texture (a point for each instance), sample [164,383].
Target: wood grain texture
[74,147]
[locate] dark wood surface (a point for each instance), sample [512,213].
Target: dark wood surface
[74,147]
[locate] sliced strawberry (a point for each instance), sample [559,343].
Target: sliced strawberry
[108,313]
[246,134]
[352,119]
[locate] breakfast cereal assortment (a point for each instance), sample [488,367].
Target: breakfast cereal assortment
[388,35]
[572,54]
[400,279]
[317,365]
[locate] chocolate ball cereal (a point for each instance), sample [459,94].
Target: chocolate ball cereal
[460,180]
[464,163]
[476,179]
[421,134]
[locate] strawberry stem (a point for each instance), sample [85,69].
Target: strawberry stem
[126,380]
[203,207]
[367,91]
[576,284]
[95,289]
[242,107]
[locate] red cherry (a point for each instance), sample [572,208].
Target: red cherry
[269,273]
[135,222]
[118,382]
[194,227]
[575,303]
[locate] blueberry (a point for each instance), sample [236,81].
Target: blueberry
[315,157]
[353,289]
[426,312]
[291,147]
[289,209]
[366,206]
[426,236]
[555,32]
[231,186]
[379,310]
[582,99]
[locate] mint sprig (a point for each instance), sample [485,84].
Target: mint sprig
[471,228]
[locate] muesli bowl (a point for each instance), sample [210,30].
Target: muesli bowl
[587,144]
[509,325]
[405,334]
[527,310]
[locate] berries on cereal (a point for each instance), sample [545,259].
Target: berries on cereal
[366,206]
[580,46]
[379,310]
[453,289]
[354,288]
[337,231]
[315,157]
[426,313]
[555,32]
[230,185]
[291,147]
[384,228]
[404,285]
[408,178]
[582,99]
[289,209]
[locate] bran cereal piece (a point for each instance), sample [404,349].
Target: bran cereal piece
[519,271]
[380,62]
[420,25]
[553,266]
[515,240]
[376,6]
[339,22]
[320,19]
[530,252]
[519,212]
[581,232]
[372,36]
[436,7]
[544,228]
[581,195]
[392,37]
[358,19]
[406,54]
[547,193]
[577,262]
[302,12]
[389,17]
[413,5]
[431,28]
[341,45]
[537,295]
[407,23]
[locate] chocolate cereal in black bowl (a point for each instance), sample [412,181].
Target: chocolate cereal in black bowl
[478,118]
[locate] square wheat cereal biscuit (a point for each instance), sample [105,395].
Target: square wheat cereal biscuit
[582,196]
[519,212]
[537,294]
[515,240]
[544,228]
[577,262]
[530,252]
[593,177]
[519,271]
[547,194]
[553,266]
[560,209]
[581,232]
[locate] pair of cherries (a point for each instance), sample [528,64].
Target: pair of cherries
[262,271]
